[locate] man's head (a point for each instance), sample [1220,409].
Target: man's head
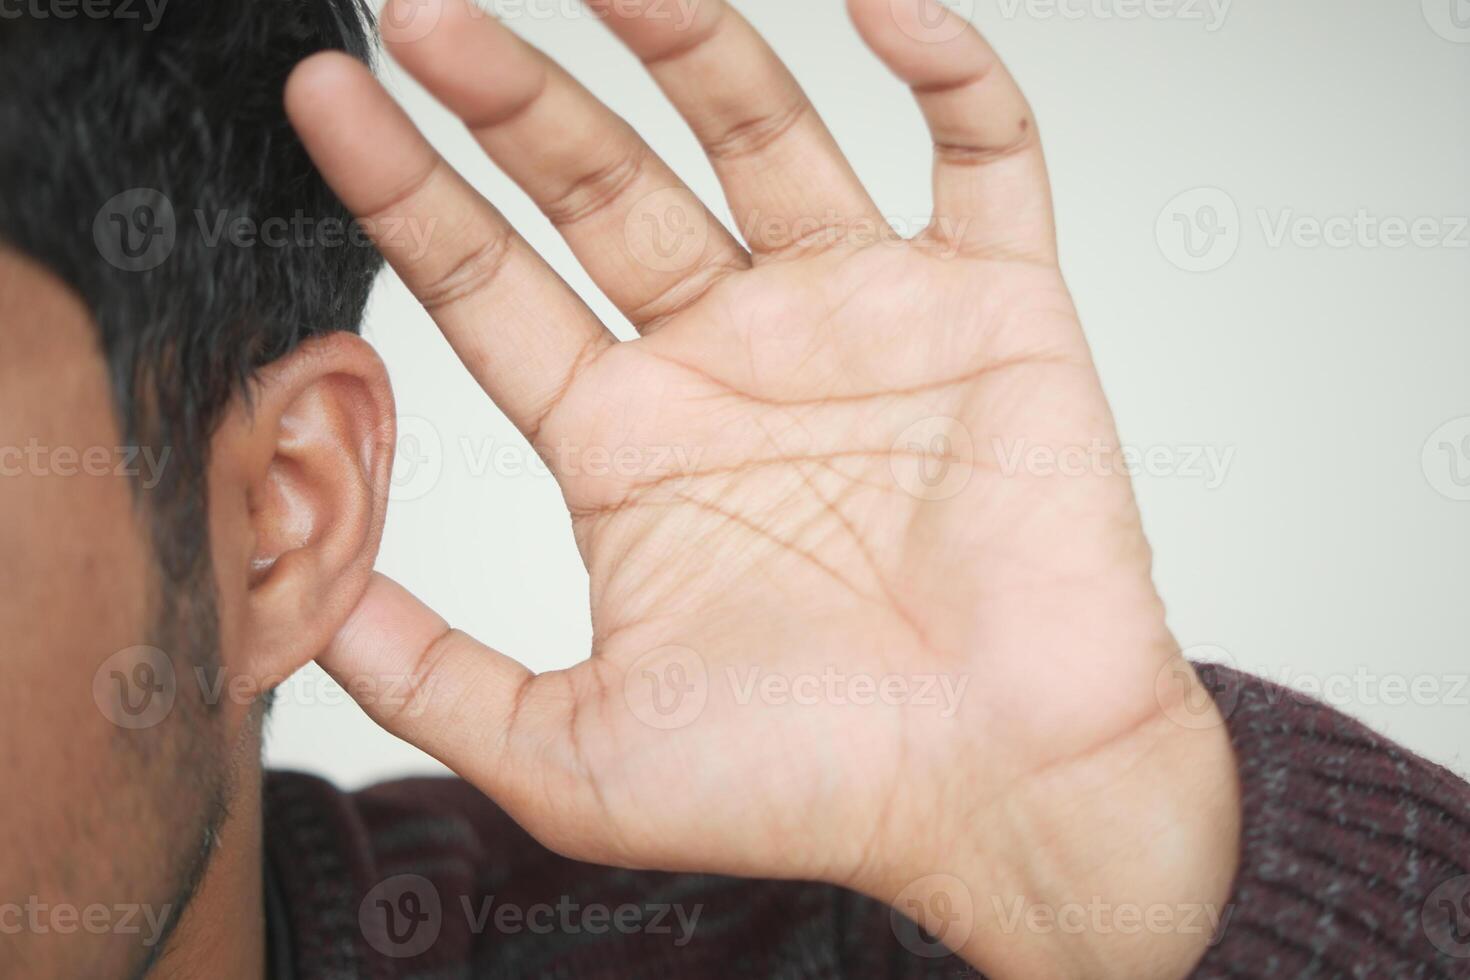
[194,448]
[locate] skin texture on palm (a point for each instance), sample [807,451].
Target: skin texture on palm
[848,408]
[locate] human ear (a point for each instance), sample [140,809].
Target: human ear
[299,479]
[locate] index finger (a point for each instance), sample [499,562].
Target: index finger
[519,328]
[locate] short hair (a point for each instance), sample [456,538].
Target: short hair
[131,134]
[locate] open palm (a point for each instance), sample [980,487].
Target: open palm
[841,577]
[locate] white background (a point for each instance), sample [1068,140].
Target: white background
[1332,551]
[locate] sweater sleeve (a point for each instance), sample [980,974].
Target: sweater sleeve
[1355,853]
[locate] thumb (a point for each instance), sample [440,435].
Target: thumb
[471,707]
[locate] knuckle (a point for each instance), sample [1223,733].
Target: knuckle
[471,273]
[752,135]
[599,188]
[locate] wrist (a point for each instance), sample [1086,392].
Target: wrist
[1118,864]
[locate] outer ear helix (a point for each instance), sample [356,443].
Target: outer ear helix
[311,472]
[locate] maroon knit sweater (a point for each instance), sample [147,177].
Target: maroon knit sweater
[1355,863]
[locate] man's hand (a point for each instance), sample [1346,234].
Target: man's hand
[853,621]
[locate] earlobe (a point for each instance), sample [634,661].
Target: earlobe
[299,490]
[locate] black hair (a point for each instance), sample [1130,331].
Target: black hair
[134,136]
